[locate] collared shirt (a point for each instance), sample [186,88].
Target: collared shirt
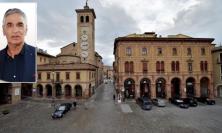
[21,68]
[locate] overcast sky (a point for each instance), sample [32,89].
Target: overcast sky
[57,21]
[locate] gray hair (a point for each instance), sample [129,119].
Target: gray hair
[13,11]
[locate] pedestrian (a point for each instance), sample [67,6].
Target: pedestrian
[114,97]
[74,104]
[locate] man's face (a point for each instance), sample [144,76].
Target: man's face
[15,29]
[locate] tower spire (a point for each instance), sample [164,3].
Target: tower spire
[86,6]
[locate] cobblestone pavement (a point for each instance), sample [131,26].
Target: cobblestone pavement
[100,114]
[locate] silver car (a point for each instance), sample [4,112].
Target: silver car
[159,102]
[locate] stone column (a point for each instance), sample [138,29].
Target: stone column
[63,92]
[168,91]
[197,90]
[211,95]
[153,91]
[53,90]
[44,91]
[183,90]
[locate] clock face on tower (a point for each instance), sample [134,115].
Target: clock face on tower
[84,54]
[84,37]
[84,45]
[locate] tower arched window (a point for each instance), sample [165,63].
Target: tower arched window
[87,19]
[81,19]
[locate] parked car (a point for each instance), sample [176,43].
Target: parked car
[68,105]
[179,102]
[159,102]
[206,100]
[144,103]
[59,112]
[191,101]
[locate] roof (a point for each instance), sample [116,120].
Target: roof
[86,10]
[217,49]
[44,53]
[153,38]
[71,66]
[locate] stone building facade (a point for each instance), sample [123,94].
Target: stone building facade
[172,66]
[77,70]
[217,73]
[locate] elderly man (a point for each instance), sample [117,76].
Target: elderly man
[17,60]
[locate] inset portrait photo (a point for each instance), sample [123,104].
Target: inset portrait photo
[18,38]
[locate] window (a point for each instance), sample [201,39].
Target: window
[159,51]
[81,19]
[189,51]
[126,67]
[77,75]
[203,66]
[177,66]
[57,76]
[220,58]
[40,59]
[67,76]
[39,76]
[221,72]
[144,51]
[160,66]
[174,51]
[44,59]
[173,66]
[87,18]
[190,67]
[145,67]
[131,67]
[203,52]
[48,76]
[128,51]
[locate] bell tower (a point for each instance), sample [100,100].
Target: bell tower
[86,34]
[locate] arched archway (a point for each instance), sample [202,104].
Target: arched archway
[190,87]
[204,87]
[5,93]
[48,90]
[129,86]
[58,89]
[175,87]
[39,90]
[68,91]
[78,90]
[219,91]
[145,88]
[161,88]
[26,90]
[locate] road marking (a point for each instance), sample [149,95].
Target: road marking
[125,108]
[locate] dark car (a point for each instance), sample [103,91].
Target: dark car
[191,101]
[206,100]
[179,102]
[68,105]
[159,102]
[59,112]
[144,103]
